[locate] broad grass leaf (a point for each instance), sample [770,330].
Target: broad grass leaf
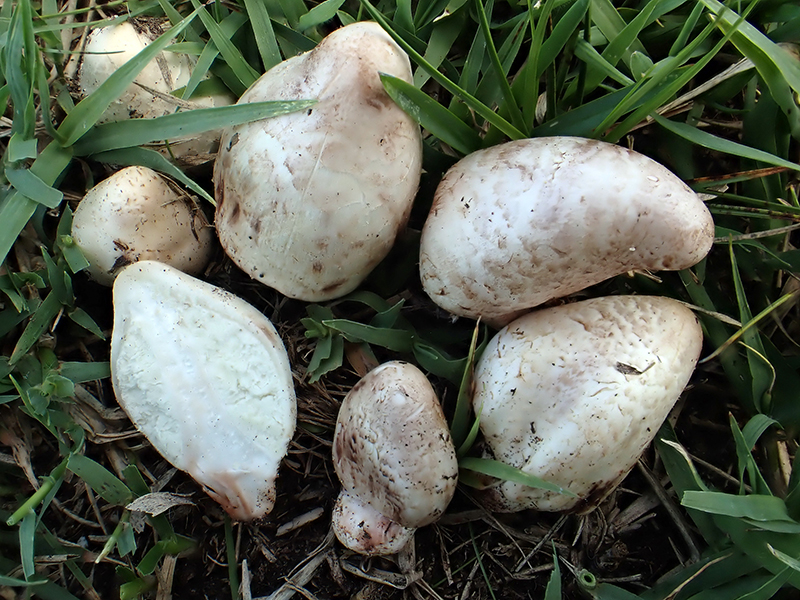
[45,314]
[27,535]
[397,340]
[747,463]
[431,115]
[100,479]
[755,507]
[459,426]
[81,372]
[136,132]
[553,589]
[322,12]
[30,186]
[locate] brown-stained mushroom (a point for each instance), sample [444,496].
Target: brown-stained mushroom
[395,458]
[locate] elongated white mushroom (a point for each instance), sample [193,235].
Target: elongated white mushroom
[574,394]
[524,222]
[205,377]
[394,456]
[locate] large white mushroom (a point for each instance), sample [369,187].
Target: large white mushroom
[394,455]
[574,394]
[310,202]
[521,223]
[205,377]
[137,214]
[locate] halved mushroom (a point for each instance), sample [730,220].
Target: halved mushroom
[524,222]
[394,455]
[205,377]
[574,394]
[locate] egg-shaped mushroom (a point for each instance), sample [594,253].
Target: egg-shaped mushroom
[521,223]
[310,202]
[206,378]
[137,214]
[393,453]
[573,394]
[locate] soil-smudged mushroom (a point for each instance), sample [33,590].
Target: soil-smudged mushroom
[394,455]
[109,48]
[206,378]
[310,202]
[574,394]
[521,223]
[136,214]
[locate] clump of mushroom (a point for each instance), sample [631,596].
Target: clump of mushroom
[310,202]
[137,214]
[573,394]
[108,48]
[394,455]
[205,377]
[521,223]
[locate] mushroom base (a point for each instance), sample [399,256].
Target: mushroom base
[363,529]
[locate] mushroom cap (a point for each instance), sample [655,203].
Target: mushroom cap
[524,222]
[392,448]
[206,378]
[136,214]
[574,394]
[310,202]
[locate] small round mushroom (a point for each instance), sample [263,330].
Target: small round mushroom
[394,455]
[574,394]
[137,214]
[521,223]
[206,378]
[310,202]
[108,48]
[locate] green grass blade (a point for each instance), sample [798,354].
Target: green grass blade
[45,314]
[29,185]
[87,112]
[553,589]
[712,142]
[459,427]
[100,479]
[747,463]
[508,100]
[755,507]
[144,157]
[480,108]
[500,470]
[444,34]
[321,13]
[136,132]
[432,116]
[222,40]
[27,535]
[264,33]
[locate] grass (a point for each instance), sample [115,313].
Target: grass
[723,515]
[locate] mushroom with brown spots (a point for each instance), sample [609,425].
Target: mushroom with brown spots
[394,455]
[573,394]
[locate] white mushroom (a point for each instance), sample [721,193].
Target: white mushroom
[108,48]
[524,222]
[574,394]
[206,378]
[310,202]
[136,214]
[394,455]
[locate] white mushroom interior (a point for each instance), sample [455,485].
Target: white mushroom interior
[206,378]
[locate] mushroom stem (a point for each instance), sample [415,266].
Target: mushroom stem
[365,530]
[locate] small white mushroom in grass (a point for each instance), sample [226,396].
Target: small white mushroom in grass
[574,394]
[393,453]
[137,214]
[149,96]
[206,378]
[521,223]
[310,202]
